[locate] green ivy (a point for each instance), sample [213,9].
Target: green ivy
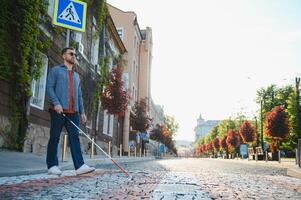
[103,12]
[21,61]
[5,71]
[102,81]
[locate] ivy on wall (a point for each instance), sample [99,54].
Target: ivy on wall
[21,61]
[102,81]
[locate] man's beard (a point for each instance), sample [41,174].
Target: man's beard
[70,61]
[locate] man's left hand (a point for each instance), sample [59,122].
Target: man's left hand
[83,118]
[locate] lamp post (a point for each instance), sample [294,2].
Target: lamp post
[257,136]
[261,119]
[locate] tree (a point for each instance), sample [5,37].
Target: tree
[294,118]
[141,121]
[160,134]
[233,140]
[276,126]
[209,147]
[223,142]
[114,98]
[216,144]
[224,126]
[172,124]
[247,132]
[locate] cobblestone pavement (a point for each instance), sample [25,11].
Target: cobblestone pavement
[160,179]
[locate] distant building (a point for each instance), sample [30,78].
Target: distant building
[204,127]
[184,148]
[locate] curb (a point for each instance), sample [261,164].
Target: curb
[293,173]
[98,163]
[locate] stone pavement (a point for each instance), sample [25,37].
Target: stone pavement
[17,163]
[289,164]
[177,178]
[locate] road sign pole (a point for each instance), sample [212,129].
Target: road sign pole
[68,38]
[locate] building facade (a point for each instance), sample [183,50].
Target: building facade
[204,127]
[138,64]
[92,45]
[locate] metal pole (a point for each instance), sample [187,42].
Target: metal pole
[129,151]
[279,158]
[92,150]
[299,152]
[135,152]
[67,37]
[120,150]
[261,122]
[110,148]
[64,148]
[266,156]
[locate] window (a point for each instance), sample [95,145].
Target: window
[125,77]
[108,123]
[50,9]
[120,33]
[134,66]
[38,87]
[94,46]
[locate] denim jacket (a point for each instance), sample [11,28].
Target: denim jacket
[58,88]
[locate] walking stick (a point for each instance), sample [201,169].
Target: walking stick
[122,170]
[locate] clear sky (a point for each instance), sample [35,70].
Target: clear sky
[211,56]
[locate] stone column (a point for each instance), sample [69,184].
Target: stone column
[126,129]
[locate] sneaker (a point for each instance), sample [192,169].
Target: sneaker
[84,169]
[54,170]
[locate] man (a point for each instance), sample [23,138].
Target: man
[64,92]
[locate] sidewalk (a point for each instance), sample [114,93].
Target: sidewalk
[18,163]
[292,169]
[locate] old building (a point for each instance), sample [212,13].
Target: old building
[138,66]
[204,127]
[92,45]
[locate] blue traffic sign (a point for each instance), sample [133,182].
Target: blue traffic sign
[70,14]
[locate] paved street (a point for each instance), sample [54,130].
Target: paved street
[160,179]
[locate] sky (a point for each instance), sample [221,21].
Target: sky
[211,56]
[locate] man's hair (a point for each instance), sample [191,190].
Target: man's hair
[66,49]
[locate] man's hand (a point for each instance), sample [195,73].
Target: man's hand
[58,109]
[83,118]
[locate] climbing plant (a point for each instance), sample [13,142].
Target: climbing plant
[21,62]
[102,81]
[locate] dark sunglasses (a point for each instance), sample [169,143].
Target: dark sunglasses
[72,54]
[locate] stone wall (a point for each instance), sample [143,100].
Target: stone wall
[3,123]
[37,137]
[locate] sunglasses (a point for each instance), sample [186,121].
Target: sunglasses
[72,54]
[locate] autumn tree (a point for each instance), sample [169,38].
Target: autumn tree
[172,124]
[233,140]
[247,132]
[160,134]
[223,144]
[141,121]
[276,126]
[209,147]
[114,98]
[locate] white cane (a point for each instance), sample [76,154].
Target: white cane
[96,145]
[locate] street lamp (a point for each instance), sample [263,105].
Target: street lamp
[261,118]
[257,136]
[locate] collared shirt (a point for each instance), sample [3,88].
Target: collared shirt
[58,89]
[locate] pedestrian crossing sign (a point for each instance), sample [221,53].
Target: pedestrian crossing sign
[70,14]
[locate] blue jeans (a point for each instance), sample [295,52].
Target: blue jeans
[57,123]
